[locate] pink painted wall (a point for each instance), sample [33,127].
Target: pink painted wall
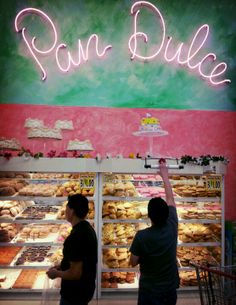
[110,131]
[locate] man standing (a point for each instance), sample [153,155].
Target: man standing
[79,264]
[154,249]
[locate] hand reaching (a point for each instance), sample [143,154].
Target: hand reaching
[163,168]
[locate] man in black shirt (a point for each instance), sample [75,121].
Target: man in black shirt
[79,264]
[154,249]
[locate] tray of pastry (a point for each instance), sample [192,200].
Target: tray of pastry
[9,209]
[33,256]
[30,279]
[199,213]
[7,254]
[195,232]
[39,189]
[37,233]
[39,212]
[8,277]
[113,280]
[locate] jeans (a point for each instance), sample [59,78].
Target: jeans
[65,302]
[149,298]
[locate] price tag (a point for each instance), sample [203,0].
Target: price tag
[213,183]
[87,181]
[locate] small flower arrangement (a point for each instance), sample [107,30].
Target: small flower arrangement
[203,160]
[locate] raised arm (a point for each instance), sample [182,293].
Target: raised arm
[165,177]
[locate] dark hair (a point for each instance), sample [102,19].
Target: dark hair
[79,204]
[158,211]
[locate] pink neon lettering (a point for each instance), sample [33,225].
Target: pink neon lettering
[81,55]
[133,39]
[65,60]
[31,46]
[196,45]
[33,49]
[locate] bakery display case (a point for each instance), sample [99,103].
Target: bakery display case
[200,208]
[33,196]
[33,226]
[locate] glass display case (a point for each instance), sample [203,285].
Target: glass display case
[33,195]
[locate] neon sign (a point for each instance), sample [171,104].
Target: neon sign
[184,55]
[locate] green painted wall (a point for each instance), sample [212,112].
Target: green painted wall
[116,81]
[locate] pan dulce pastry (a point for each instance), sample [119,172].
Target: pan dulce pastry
[7,254]
[118,233]
[111,278]
[197,232]
[120,210]
[188,278]
[32,255]
[69,188]
[10,187]
[119,189]
[198,213]
[26,279]
[39,189]
[55,257]
[8,231]
[200,255]
[116,257]
[34,231]
[38,212]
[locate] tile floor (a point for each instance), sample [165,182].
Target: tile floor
[185,298]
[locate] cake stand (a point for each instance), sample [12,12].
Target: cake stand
[150,135]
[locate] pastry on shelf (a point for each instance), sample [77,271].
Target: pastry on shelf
[8,231]
[37,212]
[120,189]
[68,188]
[116,258]
[7,254]
[118,233]
[26,279]
[199,255]
[192,233]
[37,233]
[117,279]
[10,208]
[10,187]
[39,189]
[188,278]
[120,210]
[32,256]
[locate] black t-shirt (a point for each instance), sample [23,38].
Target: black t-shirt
[156,248]
[80,245]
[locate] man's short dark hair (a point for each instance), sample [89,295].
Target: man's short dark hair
[158,211]
[79,204]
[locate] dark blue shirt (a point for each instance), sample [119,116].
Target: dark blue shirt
[156,248]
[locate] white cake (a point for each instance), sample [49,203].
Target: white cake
[64,125]
[45,132]
[150,126]
[33,123]
[79,145]
[11,144]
